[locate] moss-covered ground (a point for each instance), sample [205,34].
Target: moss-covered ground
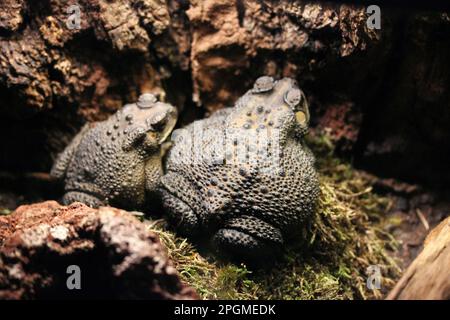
[330,262]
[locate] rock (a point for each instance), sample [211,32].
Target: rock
[245,39]
[117,256]
[428,277]
[39,58]
[11,15]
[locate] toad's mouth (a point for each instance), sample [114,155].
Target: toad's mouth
[170,124]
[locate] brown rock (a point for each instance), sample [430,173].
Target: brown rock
[56,57]
[234,42]
[11,14]
[428,277]
[118,257]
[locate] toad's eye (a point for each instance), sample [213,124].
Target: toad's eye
[157,122]
[300,116]
[293,97]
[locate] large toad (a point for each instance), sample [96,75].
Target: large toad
[244,175]
[117,161]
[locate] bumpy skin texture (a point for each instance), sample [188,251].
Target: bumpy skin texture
[244,175]
[117,161]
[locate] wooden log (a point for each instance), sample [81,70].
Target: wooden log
[428,277]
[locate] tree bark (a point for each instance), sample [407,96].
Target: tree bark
[428,277]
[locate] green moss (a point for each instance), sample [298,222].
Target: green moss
[331,257]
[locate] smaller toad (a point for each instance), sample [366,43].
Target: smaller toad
[117,161]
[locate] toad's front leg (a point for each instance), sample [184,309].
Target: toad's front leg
[78,196]
[249,239]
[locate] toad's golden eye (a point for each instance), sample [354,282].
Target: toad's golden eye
[301,117]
